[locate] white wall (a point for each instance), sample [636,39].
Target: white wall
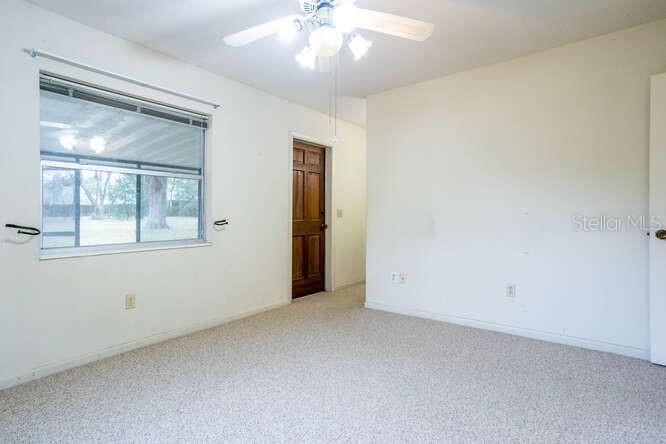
[58,312]
[473,179]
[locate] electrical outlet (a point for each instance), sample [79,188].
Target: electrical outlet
[511,290]
[130,302]
[394,277]
[403,278]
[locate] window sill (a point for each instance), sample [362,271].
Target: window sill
[63,253]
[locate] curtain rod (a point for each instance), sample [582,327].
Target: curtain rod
[47,55]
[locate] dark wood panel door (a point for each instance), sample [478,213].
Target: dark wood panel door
[309,216]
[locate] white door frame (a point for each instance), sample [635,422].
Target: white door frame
[657,261]
[329,235]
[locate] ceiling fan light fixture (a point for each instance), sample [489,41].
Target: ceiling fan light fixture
[359,46]
[329,24]
[307,58]
[68,141]
[326,41]
[98,144]
[345,17]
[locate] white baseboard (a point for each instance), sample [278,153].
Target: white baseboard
[49,369]
[590,344]
[345,286]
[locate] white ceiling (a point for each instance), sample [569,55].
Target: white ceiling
[469,33]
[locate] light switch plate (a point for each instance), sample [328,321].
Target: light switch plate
[130,302]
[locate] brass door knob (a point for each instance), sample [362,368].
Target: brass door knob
[661,234]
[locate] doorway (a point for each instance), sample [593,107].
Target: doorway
[308,219]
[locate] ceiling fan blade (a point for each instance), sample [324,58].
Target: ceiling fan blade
[260,31]
[394,25]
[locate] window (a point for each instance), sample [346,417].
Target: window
[117,170]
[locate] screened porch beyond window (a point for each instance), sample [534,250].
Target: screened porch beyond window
[117,171]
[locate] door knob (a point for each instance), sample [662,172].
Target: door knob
[325,227]
[661,234]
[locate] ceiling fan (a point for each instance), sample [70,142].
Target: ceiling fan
[329,23]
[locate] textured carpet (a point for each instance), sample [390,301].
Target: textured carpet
[327,370]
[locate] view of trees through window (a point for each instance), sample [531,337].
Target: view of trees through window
[108,208]
[116,169]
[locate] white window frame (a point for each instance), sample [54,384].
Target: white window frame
[142,246]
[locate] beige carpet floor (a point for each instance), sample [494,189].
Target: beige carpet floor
[327,370]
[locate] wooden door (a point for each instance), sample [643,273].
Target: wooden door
[309,216]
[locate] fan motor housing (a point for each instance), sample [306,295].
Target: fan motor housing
[325,13]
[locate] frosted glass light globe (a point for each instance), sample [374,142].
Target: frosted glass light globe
[326,41]
[345,17]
